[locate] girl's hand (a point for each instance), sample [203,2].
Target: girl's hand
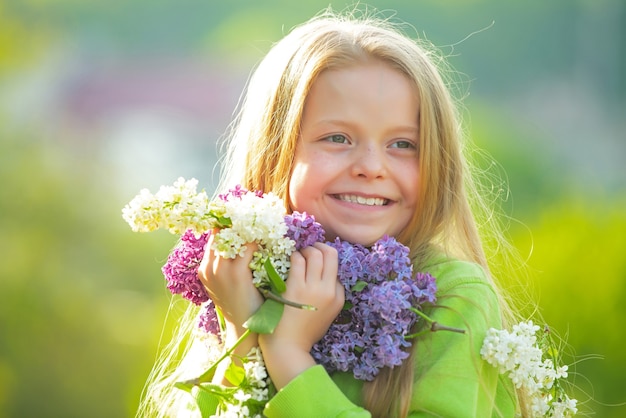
[312,280]
[229,284]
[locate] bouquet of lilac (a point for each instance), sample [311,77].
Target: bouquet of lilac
[382,293]
[384,297]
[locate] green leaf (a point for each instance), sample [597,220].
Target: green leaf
[265,320]
[235,374]
[276,282]
[358,286]
[224,222]
[221,221]
[184,386]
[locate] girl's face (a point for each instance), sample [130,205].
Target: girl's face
[356,168]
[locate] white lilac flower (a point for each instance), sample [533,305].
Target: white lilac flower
[240,216]
[258,218]
[254,368]
[565,408]
[175,208]
[519,355]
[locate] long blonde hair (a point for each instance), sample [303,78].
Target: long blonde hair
[263,138]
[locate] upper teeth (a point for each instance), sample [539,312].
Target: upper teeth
[370,201]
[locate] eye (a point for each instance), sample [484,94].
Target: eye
[403,144]
[337,139]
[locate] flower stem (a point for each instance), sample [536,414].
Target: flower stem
[434,326]
[271,295]
[208,375]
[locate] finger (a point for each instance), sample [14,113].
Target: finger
[330,265]
[314,260]
[207,260]
[214,268]
[297,270]
[241,264]
[321,262]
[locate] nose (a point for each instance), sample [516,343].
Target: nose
[369,162]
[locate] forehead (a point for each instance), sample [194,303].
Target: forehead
[371,89]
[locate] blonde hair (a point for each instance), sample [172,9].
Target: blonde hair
[264,135]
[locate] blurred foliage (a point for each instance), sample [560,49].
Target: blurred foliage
[79,296]
[572,265]
[578,252]
[82,299]
[19,45]
[536,37]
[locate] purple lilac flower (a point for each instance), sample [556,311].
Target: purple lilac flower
[303,229]
[389,258]
[426,286]
[181,268]
[352,263]
[380,289]
[207,320]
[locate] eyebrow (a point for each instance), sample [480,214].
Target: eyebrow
[413,129]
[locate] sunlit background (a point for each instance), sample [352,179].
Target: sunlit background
[99,99]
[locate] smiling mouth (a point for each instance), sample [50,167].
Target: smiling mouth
[368,201]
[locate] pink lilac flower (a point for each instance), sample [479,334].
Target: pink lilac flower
[236,192]
[181,268]
[207,320]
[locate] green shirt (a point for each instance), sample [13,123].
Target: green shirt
[451,379]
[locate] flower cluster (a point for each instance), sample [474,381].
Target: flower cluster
[253,217]
[303,229]
[254,394]
[208,320]
[175,208]
[521,356]
[181,268]
[239,216]
[251,391]
[381,293]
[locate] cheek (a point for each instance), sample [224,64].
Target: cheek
[297,183]
[309,173]
[409,177]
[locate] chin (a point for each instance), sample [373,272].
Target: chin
[358,239]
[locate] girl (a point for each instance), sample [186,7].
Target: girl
[349,120]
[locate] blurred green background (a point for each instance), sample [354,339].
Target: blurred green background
[99,99]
